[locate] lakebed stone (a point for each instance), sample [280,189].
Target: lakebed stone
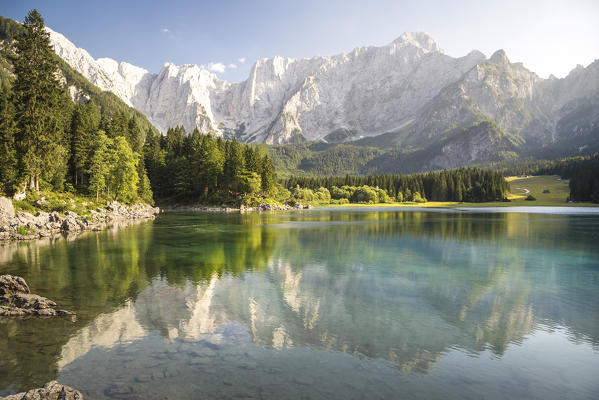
[51,391]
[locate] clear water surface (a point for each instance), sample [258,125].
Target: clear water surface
[321,304]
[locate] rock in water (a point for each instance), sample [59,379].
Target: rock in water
[32,301]
[17,301]
[51,391]
[10,285]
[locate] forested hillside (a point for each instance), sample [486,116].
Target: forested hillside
[60,133]
[50,142]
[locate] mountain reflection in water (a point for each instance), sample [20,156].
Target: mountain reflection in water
[403,291]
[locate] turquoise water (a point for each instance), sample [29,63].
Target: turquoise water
[320,304]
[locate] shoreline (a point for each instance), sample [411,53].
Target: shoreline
[232,209]
[466,208]
[454,204]
[23,226]
[439,205]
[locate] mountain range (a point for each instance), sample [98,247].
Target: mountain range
[409,87]
[403,107]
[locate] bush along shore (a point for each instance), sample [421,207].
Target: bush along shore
[22,225]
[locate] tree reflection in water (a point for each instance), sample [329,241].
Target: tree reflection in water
[401,286]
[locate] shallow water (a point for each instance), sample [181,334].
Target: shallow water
[320,304]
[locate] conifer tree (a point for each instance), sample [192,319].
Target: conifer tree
[123,176]
[99,168]
[134,136]
[8,153]
[85,122]
[234,164]
[36,96]
[267,175]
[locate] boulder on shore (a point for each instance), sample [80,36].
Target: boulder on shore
[7,211]
[51,391]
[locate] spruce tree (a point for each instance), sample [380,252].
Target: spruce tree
[99,168]
[123,176]
[8,152]
[234,165]
[36,96]
[267,175]
[85,122]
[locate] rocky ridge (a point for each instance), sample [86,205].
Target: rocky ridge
[409,86]
[26,226]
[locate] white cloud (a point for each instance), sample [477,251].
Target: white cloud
[242,60]
[217,67]
[233,66]
[165,30]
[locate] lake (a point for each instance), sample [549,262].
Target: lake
[319,304]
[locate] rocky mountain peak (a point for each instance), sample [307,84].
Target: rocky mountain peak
[419,39]
[499,57]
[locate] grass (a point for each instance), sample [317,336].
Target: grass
[24,230]
[55,201]
[536,185]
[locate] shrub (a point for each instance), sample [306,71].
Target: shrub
[24,230]
[303,194]
[364,194]
[322,195]
[418,198]
[546,191]
[23,205]
[340,193]
[382,196]
[279,193]
[57,205]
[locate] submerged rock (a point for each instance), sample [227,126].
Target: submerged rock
[17,301]
[51,391]
[31,301]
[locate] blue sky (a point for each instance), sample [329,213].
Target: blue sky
[229,36]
